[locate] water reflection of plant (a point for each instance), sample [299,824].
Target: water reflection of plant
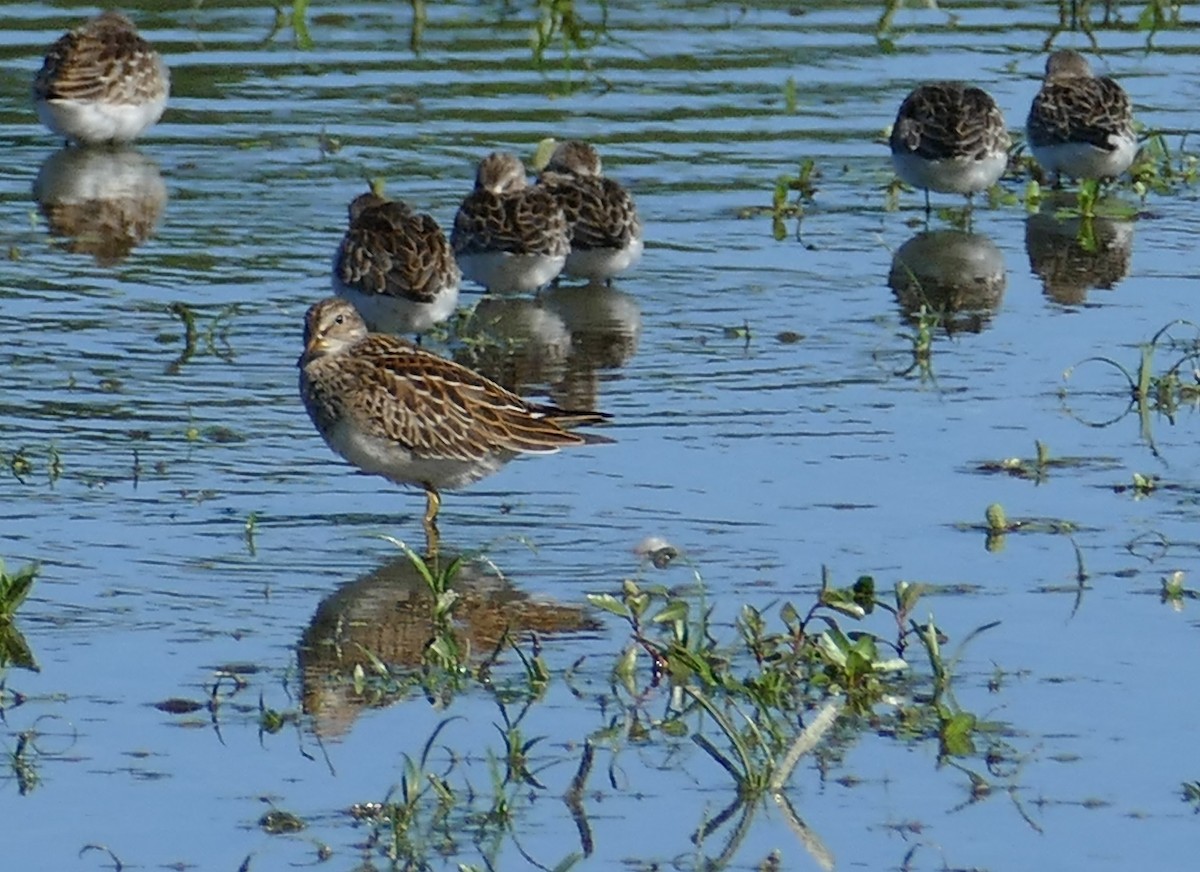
[789,682]
[14,590]
[1161,392]
[760,690]
[559,21]
[22,758]
[1076,15]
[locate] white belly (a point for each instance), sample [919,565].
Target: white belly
[94,121]
[396,463]
[598,264]
[1079,160]
[385,313]
[502,272]
[950,175]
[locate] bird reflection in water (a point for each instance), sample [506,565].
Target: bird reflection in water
[562,339]
[517,342]
[956,275]
[1072,256]
[387,616]
[105,201]
[605,325]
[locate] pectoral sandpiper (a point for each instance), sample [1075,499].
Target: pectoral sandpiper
[949,137]
[509,236]
[101,82]
[1080,125]
[394,409]
[606,233]
[396,267]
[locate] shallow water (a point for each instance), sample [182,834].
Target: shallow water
[762,458]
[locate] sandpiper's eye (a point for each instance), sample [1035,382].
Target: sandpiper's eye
[339,319]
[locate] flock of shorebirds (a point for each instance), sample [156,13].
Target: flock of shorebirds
[395,409]
[951,137]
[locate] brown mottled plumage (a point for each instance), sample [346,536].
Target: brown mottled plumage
[396,266]
[606,233]
[394,409]
[509,235]
[1080,124]
[949,137]
[101,82]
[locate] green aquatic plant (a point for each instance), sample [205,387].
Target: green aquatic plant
[1076,16]
[784,206]
[15,589]
[1034,469]
[215,336]
[809,659]
[1174,591]
[1159,170]
[295,19]
[1191,794]
[790,98]
[444,651]
[22,764]
[1143,485]
[923,326]
[1033,195]
[997,525]
[249,531]
[1089,194]
[757,696]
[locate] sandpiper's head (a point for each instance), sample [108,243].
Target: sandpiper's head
[576,157]
[500,172]
[111,19]
[331,326]
[1066,63]
[363,202]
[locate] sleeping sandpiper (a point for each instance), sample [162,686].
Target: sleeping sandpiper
[101,82]
[1080,125]
[395,266]
[949,137]
[606,233]
[509,236]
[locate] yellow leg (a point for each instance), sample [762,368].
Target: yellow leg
[433,502]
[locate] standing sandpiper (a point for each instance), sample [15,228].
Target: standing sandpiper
[606,233]
[101,82]
[949,137]
[1080,125]
[393,409]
